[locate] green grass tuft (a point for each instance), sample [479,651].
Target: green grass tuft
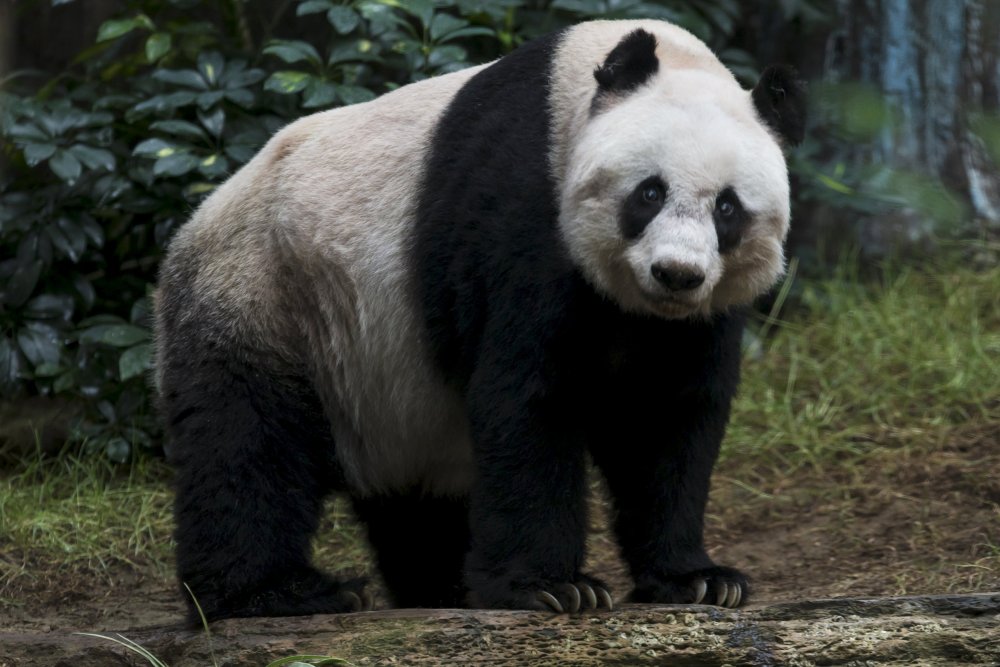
[85,513]
[861,366]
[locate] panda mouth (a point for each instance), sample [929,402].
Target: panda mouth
[669,304]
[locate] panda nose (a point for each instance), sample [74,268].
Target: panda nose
[677,278]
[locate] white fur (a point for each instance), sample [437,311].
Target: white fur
[331,199]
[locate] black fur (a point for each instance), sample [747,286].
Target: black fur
[254,459]
[630,64]
[780,98]
[729,228]
[638,210]
[420,545]
[550,369]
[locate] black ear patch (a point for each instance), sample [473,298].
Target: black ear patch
[629,65]
[780,98]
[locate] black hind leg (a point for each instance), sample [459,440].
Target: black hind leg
[254,459]
[420,544]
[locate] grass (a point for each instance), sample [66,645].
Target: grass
[864,366]
[868,395]
[83,513]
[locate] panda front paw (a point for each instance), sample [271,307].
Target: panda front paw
[719,586]
[583,594]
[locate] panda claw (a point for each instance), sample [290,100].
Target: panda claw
[574,595]
[550,601]
[723,593]
[736,597]
[605,598]
[701,588]
[589,594]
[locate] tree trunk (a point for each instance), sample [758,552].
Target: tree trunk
[937,63]
[912,631]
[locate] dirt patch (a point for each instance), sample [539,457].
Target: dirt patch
[897,520]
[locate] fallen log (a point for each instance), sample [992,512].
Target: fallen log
[921,630]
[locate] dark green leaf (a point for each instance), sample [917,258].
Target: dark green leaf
[157,46]
[94,158]
[117,335]
[213,166]
[161,103]
[117,27]
[35,153]
[135,361]
[176,164]
[22,283]
[245,78]
[156,147]
[444,24]
[343,19]
[211,66]
[211,98]
[446,54]
[181,77]
[178,128]
[313,7]
[293,51]
[422,9]
[64,382]
[86,291]
[354,94]
[319,93]
[240,96]
[48,306]
[64,165]
[40,343]
[474,31]
[47,370]
[74,234]
[94,232]
[60,241]
[214,121]
[28,132]
[287,82]
[118,450]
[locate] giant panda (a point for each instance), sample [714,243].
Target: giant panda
[445,301]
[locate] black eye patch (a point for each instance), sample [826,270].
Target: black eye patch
[642,205]
[731,219]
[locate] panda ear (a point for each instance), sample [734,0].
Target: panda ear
[629,65]
[780,98]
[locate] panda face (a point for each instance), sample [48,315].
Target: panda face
[675,201]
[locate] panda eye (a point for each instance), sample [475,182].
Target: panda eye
[727,204]
[651,194]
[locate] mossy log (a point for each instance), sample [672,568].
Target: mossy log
[926,630]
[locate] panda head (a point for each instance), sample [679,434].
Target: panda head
[675,200]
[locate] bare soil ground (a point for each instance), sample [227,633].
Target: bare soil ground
[904,520]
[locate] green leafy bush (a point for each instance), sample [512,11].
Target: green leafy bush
[107,159]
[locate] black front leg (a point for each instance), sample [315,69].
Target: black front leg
[659,479]
[657,445]
[528,507]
